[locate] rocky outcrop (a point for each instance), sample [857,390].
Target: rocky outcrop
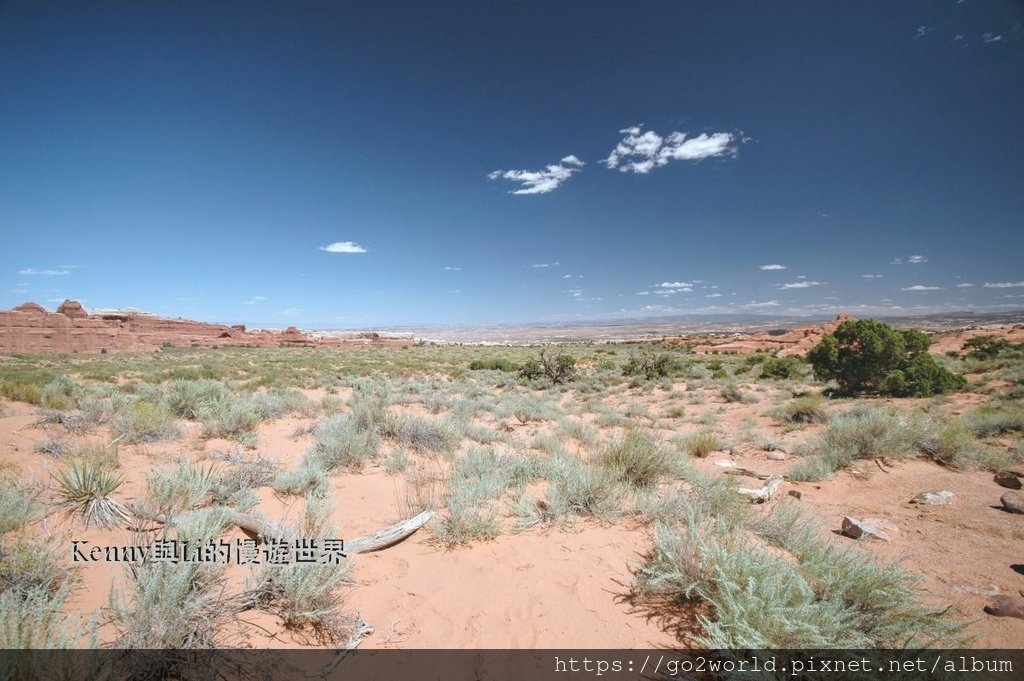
[30,328]
[788,342]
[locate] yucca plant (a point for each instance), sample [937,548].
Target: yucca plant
[85,489]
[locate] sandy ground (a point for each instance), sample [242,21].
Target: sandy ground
[553,588]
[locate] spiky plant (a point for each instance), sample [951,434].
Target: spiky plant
[85,489]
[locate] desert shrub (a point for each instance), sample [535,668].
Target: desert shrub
[951,444]
[21,391]
[494,364]
[700,444]
[989,347]
[560,368]
[60,393]
[342,443]
[575,487]
[782,368]
[989,421]
[188,399]
[28,565]
[531,369]
[428,435]
[179,488]
[638,459]
[730,392]
[651,366]
[861,434]
[815,596]
[84,488]
[868,356]
[805,409]
[527,409]
[234,419]
[309,477]
[18,505]
[144,422]
[463,521]
[35,619]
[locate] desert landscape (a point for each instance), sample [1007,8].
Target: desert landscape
[596,500]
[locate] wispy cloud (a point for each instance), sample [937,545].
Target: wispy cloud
[921,287]
[543,265]
[292,311]
[541,181]
[753,305]
[1004,284]
[988,38]
[343,247]
[871,276]
[965,285]
[449,268]
[773,267]
[32,271]
[910,260]
[713,295]
[640,152]
[800,284]
[677,285]
[255,300]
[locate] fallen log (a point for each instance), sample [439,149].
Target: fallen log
[763,493]
[258,528]
[752,473]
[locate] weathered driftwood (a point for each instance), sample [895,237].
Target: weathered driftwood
[763,493]
[262,529]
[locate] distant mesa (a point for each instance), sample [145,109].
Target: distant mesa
[30,328]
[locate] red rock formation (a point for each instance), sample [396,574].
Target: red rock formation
[791,342]
[29,328]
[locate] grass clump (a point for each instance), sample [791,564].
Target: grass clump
[180,488]
[188,399]
[341,442]
[815,595]
[310,477]
[700,444]
[84,488]
[21,391]
[804,409]
[578,488]
[638,459]
[992,421]
[860,434]
[144,422]
[427,435]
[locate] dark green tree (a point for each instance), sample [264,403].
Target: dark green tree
[869,356]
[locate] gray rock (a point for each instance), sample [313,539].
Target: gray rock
[1012,502]
[934,498]
[1008,480]
[869,528]
[776,456]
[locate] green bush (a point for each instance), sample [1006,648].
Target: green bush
[494,364]
[638,459]
[650,366]
[144,422]
[782,368]
[868,356]
[989,347]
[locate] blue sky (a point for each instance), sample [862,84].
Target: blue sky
[334,165]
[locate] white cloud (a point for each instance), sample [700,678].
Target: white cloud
[991,38]
[540,181]
[449,268]
[542,265]
[920,287]
[754,305]
[343,247]
[912,260]
[800,284]
[713,295]
[454,290]
[965,285]
[773,267]
[871,276]
[1004,284]
[255,299]
[643,293]
[291,311]
[676,285]
[43,273]
[640,152]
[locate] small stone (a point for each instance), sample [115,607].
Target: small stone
[1012,502]
[1006,606]
[869,528]
[776,456]
[934,498]
[1008,480]
[796,494]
